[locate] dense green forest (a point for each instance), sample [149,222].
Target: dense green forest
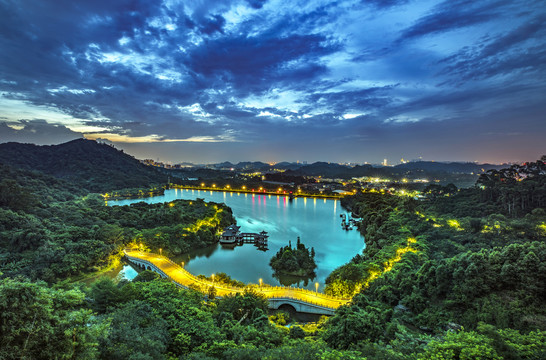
[50,240]
[53,228]
[458,275]
[93,166]
[474,260]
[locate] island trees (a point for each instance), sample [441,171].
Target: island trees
[296,262]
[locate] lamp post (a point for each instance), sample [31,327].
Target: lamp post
[213,279]
[260,282]
[316,287]
[160,251]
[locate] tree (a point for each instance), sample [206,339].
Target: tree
[146,275]
[13,196]
[105,294]
[241,307]
[41,323]
[135,332]
[354,324]
[461,345]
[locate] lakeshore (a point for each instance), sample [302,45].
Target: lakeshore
[258,192]
[315,220]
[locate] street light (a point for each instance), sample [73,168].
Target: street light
[260,282]
[182,264]
[160,249]
[212,278]
[316,287]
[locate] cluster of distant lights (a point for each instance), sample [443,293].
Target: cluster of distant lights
[380,180]
[281,191]
[243,188]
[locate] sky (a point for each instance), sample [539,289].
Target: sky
[278,80]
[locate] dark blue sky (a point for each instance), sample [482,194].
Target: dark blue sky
[346,81]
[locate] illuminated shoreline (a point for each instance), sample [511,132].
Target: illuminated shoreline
[256,192]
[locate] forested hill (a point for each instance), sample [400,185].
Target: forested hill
[417,168]
[86,163]
[449,167]
[469,266]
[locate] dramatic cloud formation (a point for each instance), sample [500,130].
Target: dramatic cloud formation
[208,81]
[36,132]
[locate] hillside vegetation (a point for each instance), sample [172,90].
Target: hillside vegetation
[474,261]
[459,275]
[93,166]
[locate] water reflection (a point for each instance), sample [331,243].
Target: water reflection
[297,281]
[128,272]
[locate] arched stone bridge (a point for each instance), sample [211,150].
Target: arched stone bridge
[302,300]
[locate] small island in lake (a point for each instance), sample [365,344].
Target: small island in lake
[297,262]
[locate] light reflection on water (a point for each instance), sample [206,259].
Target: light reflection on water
[316,221]
[121,272]
[128,272]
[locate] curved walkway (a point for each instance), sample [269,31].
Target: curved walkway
[184,278]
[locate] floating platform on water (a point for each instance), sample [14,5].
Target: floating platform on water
[233,235]
[347,223]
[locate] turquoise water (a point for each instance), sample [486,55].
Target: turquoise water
[316,221]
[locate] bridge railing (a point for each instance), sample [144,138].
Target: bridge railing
[263,288]
[306,302]
[187,274]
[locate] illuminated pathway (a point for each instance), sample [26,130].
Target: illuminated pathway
[302,300]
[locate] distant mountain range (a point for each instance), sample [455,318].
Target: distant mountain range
[449,167]
[100,167]
[344,171]
[96,167]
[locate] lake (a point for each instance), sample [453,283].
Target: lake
[316,221]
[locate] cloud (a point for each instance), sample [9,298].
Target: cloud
[214,24]
[385,3]
[370,99]
[256,4]
[37,132]
[257,63]
[453,15]
[227,72]
[521,50]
